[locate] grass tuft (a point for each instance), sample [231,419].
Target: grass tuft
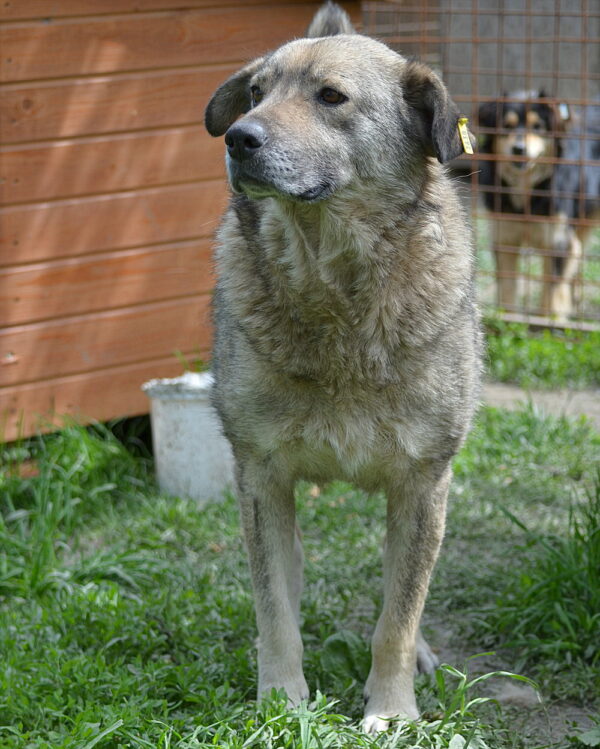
[551,609]
[549,359]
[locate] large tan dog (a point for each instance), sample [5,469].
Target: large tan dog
[347,342]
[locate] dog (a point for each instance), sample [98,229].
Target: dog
[347,342]
[537,191]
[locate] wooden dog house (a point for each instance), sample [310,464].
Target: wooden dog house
[110,192]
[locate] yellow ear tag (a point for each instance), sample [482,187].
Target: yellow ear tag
[464,135]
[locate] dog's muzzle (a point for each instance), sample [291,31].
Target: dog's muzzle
[258,169]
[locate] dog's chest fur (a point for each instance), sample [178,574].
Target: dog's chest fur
[341,323]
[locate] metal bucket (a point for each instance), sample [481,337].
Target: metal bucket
[193,458]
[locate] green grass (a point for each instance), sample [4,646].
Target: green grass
[536,482]
[550,611]
[126,618]
[548,359]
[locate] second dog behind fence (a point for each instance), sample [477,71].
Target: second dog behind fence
[542,191]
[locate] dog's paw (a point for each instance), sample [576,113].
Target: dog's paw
[373,724]
[384,701]
[427,660]
[296,689]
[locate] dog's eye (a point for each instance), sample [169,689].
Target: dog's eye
[256,95]
[331,96]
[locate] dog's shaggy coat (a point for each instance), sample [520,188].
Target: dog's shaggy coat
[346,336]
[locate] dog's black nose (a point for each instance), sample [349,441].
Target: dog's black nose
[518,150]
[244,139]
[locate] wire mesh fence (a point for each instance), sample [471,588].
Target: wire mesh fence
[527,74]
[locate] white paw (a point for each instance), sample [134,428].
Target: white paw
[373,724]
[386,700]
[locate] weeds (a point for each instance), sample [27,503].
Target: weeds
[551,609]
[76,472]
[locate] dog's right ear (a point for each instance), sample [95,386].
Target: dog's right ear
[230,100]
[330,20]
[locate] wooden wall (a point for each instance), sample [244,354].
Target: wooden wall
[110,191]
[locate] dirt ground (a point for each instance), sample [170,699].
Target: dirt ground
[538,723]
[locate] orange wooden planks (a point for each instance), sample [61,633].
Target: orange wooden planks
[105,44]
[105,281]
[100,396]
[23,9]
[65,108]
[41,351]
[108,164]
[111,191]
[67,228]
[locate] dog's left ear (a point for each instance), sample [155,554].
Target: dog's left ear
[330,20]
[426,93]
[230,100]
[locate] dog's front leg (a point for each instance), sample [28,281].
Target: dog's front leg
[415,527]
[275,555]
[560,271]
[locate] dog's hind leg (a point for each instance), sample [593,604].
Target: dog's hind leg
[275,555]
[427,660]
[416,516]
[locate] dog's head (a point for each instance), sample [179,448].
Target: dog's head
[323,112]
[525,130]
